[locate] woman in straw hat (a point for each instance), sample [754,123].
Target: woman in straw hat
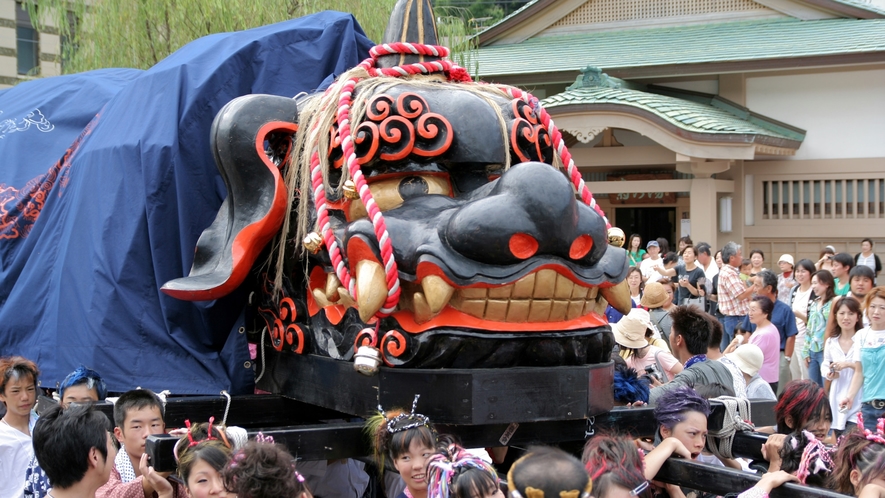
[631,334]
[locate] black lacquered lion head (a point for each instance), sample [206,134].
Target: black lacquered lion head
[434,218]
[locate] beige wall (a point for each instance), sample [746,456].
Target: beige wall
[843,111]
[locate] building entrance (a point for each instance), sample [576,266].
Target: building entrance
[649,223]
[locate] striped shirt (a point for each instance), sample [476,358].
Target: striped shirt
[731,286]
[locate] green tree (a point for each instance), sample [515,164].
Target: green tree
[126,33]
[478,14]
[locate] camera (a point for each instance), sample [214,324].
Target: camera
[652,372]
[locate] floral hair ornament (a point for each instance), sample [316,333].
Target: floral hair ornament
[443,469]
[815,459]
[261,438]
[876,437]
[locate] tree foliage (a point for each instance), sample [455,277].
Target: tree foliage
[479,14]
[139,33]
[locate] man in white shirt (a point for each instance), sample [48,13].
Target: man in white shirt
[708,264]
[654,259]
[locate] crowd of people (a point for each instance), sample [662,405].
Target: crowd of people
[705,325]
[804,316]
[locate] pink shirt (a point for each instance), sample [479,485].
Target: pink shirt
[769,341]
[667,361]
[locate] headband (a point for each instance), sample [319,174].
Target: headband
[193,442]
[412,420]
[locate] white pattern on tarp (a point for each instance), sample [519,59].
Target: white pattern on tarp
[34,117]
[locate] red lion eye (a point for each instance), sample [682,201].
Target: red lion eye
[523,245]
[580,247]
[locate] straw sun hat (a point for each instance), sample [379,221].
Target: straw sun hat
[654,295]
[630,331]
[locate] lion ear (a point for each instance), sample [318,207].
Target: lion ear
[255,207]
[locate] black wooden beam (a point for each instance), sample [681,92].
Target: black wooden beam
[721,480]
[640,422]
[346,439]
[247,411]
[451,396]
[307,442]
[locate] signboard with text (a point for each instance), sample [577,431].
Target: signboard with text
[642,197]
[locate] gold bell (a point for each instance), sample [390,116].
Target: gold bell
[313,242]
[616,237]
[349,189]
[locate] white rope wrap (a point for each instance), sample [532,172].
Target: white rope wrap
[736,419]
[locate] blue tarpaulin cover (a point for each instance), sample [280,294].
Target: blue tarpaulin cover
[106,183]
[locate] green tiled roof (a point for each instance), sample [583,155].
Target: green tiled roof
[715,117]
[707,43]
[860,4]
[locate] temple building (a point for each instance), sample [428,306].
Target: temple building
[754,121]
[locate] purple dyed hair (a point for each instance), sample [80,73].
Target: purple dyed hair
[673,404]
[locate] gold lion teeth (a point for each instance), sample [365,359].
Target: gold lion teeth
[540,297]
[421,308]
[345,299]
[437,293]
[332,285]
[320,298]
[618,296]
[371,288]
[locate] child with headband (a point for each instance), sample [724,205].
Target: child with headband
[455,473]
[860,462]
[409,440]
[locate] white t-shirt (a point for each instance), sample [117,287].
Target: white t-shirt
[648,272]
[867,338]
[16,452]
[800,305]
[710,272]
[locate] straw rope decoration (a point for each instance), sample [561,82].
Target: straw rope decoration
[453,73]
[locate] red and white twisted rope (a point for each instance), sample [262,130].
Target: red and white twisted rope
[455,72]
[344,130]
[559,143]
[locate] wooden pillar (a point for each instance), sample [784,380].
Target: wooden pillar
[703,210]
[703,204]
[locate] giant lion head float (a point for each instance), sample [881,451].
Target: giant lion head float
[409,209]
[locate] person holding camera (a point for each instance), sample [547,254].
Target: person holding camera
[632,334]
[826,259]
[691,278]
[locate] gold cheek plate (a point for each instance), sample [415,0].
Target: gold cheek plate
[387,196]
